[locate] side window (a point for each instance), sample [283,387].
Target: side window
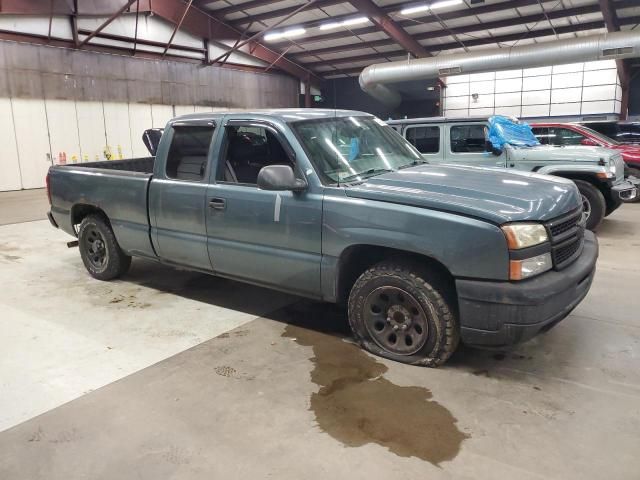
[425,139]
[248,149]
[542,134]
[187,158]
[467,139]
[564,136]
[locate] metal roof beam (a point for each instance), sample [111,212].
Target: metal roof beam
[389,26]
[456,30]
[205,25]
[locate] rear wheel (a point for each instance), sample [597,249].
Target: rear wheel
[400,312]
[593,204]
[102,256]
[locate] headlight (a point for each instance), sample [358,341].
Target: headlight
[529,267]
[523,235]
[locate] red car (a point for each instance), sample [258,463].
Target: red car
[574,134]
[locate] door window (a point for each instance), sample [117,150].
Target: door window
[542,134]
[564,136]
[187,158]
[425,139]
[468,139]
[248,150]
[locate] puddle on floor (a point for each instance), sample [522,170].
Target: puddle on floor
[357,405]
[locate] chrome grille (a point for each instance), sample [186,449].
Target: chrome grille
[566,234]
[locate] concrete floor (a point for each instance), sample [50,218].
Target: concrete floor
[171,374]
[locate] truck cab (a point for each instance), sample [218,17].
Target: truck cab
[598,172]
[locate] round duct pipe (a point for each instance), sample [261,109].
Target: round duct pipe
[375,79]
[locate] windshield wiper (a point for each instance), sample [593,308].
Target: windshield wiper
[413,164]
[367,174]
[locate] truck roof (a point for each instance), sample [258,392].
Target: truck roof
[405,121]
[282,114]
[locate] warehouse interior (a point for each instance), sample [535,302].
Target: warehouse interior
[173,373]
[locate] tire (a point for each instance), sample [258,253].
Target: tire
[102,256]
[593,203]
[396,294]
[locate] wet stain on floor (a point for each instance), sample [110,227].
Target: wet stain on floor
[356,405]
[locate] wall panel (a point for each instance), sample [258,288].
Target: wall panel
[29,117]
[63,130]
[116,121]
[9,165]
[91,129]
[139,121]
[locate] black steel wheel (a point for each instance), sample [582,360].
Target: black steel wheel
[94,244]
[405,313]
[395,320]
[102,256]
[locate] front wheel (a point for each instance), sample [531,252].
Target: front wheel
[399,312]
[102,256]
[593,204]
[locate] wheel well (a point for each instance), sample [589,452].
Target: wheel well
[358,258]
[601,186]
[80,211]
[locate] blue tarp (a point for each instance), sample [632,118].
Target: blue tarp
[504,130]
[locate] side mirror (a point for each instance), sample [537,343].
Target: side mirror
[587,142]
[151,139]
[279,178]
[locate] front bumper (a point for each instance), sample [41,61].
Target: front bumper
[497,314]
[626,191]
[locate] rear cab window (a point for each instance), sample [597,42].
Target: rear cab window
[189,152]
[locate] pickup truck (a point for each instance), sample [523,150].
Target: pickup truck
[597,172]
[336,206]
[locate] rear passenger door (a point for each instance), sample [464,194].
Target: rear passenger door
[465,144]
[177,195]
[427,139]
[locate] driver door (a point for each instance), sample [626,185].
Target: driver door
[265,237]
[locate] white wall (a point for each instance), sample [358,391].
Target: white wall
[35,133]
[559,90]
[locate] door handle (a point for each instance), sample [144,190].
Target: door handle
[217,203]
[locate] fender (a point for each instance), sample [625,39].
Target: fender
[598,172]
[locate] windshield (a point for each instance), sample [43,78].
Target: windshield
[347,149]
[603,138]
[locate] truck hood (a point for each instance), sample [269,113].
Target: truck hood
[488,193]
[570,153]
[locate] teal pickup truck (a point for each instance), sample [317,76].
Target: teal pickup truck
[337,206]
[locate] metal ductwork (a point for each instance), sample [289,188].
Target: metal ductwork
[375,79]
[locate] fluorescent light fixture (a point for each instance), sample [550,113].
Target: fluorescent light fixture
[293,32]
[425,7]
[344,23]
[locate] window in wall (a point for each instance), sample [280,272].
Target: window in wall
[425,139]
[468,139]
[187,158]
[250,148]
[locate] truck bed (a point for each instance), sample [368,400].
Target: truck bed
[119,188]
[140,165]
